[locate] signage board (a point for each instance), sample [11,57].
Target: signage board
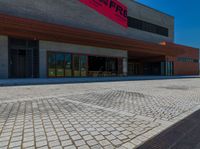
[113,9]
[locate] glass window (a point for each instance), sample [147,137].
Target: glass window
[84,63]
[120,66]
[68,65]
[60,59]
[146,26]
[51,65]
[68,61]
[76,62]
[111,64]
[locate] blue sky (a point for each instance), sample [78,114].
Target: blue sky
[187,18]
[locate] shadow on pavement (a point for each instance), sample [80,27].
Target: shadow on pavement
[183,135]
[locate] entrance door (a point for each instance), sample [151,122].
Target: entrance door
[21,63]
[23,58]
[80,65]
[17,59]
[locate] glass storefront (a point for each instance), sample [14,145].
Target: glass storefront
[105,66]
[59,64]
[77,65]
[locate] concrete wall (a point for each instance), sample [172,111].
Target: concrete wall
[3,57]
[74,13]
[45,46]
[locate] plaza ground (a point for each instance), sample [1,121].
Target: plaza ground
[93,115]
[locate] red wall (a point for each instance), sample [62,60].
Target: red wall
[186,68]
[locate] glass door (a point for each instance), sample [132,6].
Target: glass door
[21,63]
[76,64]
[68,65]
[80,64]
[23,58]
[84,63]
[60,60]
[51,65]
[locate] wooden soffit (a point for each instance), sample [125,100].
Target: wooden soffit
[32,29]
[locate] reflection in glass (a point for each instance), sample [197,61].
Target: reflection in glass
[51,65]
[68,65]
[60,59]
[83,61]
[76,63]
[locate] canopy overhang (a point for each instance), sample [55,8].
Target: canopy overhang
[38,30]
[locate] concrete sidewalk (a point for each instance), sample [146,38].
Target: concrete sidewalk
[43,81]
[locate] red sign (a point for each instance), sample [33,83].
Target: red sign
[112,9]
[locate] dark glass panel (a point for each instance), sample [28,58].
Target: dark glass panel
[60,59]
[68,65]
[51,65]
[76,64]
[83,60]
[145,26]
[25,61]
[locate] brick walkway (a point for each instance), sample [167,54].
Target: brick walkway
[94,115]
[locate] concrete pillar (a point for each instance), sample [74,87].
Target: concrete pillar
[125,66]
[42,61]
[3,57]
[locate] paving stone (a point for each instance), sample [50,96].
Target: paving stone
[110,137]
[122,137]
[104,142]
[29,144]
[70,147]
[66,142]
[79,142]
[76,137]
[87,137]
[92,142]
[41,143]
[129,145]
[84,147]
[116,142]
[99,137]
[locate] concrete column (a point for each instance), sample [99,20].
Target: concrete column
[3,57]
[42,61]
[125,66]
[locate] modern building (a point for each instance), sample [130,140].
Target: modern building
[78,38]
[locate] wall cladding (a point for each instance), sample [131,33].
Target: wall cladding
[3,57]
[73,13]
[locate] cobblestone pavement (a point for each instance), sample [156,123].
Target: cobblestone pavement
[110,115]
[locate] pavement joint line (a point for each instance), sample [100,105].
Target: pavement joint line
[168,124]
[103,108]
[55,96]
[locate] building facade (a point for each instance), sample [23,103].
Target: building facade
[80,38]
